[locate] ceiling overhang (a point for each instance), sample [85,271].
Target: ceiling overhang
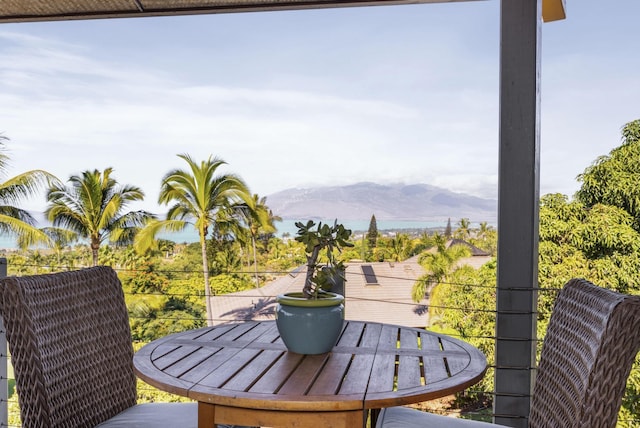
[60,10]
[55,10]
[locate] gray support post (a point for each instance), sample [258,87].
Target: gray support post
[4,361]
[518,204]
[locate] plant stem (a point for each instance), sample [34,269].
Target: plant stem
[311,268]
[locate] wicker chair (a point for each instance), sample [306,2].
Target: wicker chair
[71,350]
[590,345]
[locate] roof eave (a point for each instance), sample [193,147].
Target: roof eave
[138,9]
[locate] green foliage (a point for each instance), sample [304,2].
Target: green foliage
[159,306]
[284,255]
[15,221]
[327,240]
[486,238]
[223,256]
[395,248]
[598,243]
[372,233]
[225,284]
[188,258]
[465,307]
[93,206]
[464,229]
[613,179]
[441,265]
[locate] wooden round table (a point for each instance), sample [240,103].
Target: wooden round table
[242,374]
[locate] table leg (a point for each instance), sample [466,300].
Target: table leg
[206,415]
[373,416]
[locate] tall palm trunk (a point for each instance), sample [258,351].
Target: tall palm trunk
[95,246]
[255,261]
[205,272]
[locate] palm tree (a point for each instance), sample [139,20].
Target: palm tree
[440,265]
[13,220]
[93,207]
[60,238]
[399,247]
[198,195]
[166,247]
[258,219]
[463,231]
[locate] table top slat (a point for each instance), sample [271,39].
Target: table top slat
[271,381]
[388,338]
[408,339]
[166,356]
[227,370]
[409,375]
[215,360]
[371,336]
[145,369]
[430,341]
[351,334]
[259,330]
[270,335]
[434,370]
[456,365]
[357,377]
[330,379]
[190,361]
[245,378]
[235,333]
[383,374]
[208,334]
[305,375]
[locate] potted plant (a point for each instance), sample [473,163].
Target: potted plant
[310,321]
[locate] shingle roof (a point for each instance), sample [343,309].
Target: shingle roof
[475,251]
[389,301]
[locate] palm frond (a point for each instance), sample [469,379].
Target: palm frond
[28,235]
[145,239]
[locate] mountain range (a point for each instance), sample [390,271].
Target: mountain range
[422,202]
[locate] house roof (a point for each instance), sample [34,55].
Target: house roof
[475,251]
[388,301]
[57,10]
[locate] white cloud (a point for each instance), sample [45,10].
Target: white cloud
[388,95]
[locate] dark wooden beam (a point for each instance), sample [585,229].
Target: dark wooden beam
[518,202]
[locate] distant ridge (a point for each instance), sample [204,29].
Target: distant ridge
[359,201]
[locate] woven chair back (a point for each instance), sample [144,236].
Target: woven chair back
[70,347]
[590,345]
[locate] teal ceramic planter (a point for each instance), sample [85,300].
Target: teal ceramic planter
[309,326]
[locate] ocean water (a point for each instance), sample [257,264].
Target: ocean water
[284,227]
[288,227]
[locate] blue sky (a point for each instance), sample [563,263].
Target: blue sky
[302,98]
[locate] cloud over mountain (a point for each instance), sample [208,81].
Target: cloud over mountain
[388,202]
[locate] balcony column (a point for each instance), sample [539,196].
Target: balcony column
[518,203]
